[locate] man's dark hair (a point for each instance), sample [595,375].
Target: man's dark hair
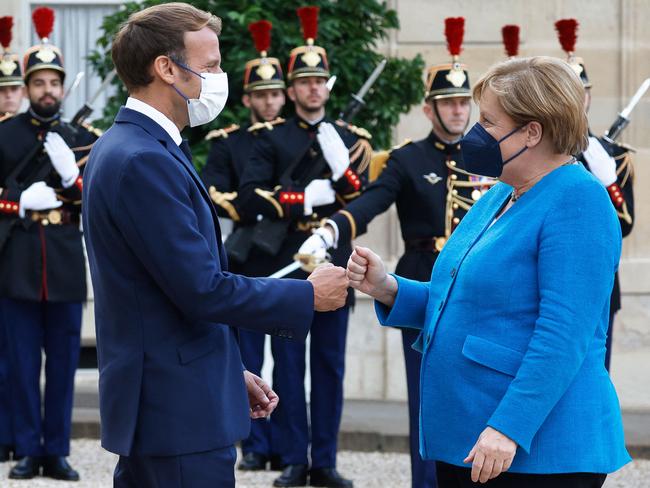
[152,32]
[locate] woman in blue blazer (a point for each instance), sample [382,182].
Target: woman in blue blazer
[513,322]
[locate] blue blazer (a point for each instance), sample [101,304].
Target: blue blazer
[513,326]
[170,372]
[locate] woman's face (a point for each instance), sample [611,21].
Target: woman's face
[498,124]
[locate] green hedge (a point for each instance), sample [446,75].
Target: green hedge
[348,29]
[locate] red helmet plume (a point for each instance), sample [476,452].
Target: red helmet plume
[567,33]
[261,33]
[510,35]
[454,32]
[43,18]
[309,22]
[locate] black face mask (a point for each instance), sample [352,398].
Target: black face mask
[482,153]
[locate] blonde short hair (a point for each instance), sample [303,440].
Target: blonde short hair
[542,89]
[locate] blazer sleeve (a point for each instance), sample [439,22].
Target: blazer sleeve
[156,215]
[409,309]
[578,253]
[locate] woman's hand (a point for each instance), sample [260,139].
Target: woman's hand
[491,455]
[367,274]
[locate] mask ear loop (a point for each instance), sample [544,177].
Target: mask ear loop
[186,68]
[517,154]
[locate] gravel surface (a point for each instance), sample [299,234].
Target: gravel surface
[368,470]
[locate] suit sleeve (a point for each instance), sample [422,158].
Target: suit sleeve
[409,308]
[352,221]
[219,177]
[260,195]
[155,213]
[578,252]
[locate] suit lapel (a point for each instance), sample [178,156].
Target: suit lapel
[133,117]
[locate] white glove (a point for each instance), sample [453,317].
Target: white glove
[62,158]
[318,192]
[318,243]
[334,150]
[38,196]
[601,164]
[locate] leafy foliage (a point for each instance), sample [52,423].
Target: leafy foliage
[348,29]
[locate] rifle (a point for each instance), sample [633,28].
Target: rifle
[623,119]
[357,101]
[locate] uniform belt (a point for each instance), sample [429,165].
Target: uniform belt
[54,217]
[434,244]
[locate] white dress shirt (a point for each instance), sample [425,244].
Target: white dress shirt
[158,117]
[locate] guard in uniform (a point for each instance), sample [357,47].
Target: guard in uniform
[11,95]
[42,267]
[607,160]
[11,79]
[427,182]
[229,152]
[301,171]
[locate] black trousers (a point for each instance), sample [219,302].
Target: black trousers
[450,476]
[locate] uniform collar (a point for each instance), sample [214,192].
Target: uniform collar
[442,146]
[42,122]
[158,117]
[309,126]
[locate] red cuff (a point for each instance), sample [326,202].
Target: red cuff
[79,183]
[616,195]
[8,207]
[353,179]
[292,197]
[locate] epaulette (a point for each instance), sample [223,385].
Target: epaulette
[380,160]
[266,125]
[213,134]
[6,116]
[92,130]
[357,131]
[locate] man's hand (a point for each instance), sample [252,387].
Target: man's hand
[334,150]
[62,158]
[367,274]
[492,455]
[601,164]
[38,196]
[330,287]
[261,398]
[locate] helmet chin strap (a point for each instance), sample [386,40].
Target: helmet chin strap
[442,124]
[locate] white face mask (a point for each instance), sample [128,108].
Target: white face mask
[211,101]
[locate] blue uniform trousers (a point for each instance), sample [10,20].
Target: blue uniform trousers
[55,328]
[327,365]
[6,434]
[423,473]
[264,438]
[210,469]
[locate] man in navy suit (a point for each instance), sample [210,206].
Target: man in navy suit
[174,395]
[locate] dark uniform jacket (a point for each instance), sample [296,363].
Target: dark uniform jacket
[269,190]
[230,150]
[622,196]
[41,255]
[432,193]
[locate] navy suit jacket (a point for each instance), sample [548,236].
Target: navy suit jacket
[166,309]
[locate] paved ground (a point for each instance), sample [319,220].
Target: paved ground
[368,470]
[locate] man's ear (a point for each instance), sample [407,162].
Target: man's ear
[163,68]
[291,93]
[246,100]
[428,111]
[535,132]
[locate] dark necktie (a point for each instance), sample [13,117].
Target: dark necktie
[185,147]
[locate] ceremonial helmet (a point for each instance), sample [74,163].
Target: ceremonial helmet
[43,55]
[510,35]
[10,72]
[308,60]
[451,79]
[567,33]
[262,73]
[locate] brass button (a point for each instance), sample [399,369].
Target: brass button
[45,222]
[55,217]
[476,194]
